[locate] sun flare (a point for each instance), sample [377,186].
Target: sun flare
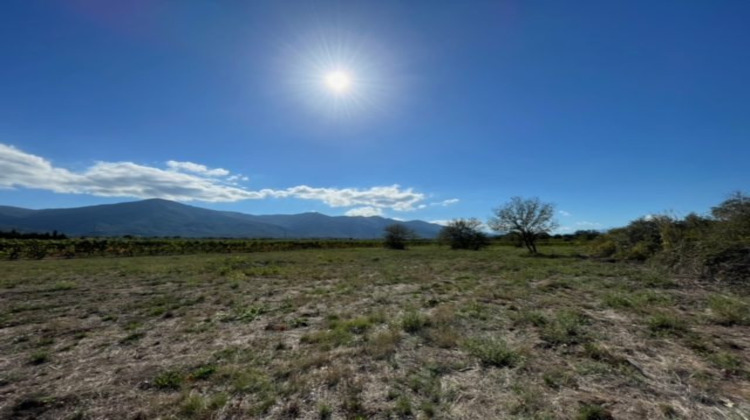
[338,81]
[340,77]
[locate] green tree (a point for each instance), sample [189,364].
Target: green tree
[733,215]
[397,235]
[528,218]
[464,234]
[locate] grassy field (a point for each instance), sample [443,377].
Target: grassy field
[368,333]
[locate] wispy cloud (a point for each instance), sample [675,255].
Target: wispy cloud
[196,168]
[365,211]
[588,224]
[564,213]
[446,203]
[182,181]
[441,222]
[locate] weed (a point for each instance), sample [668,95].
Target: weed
[728,310]
[565,328]
[493,352]
[335,375]
[593,412]
[557,379]
[445,337]
[325,411]
[299,322]
[218,401]
[476,310]
[352,404]
[529,317]
[428,408]
[403,406]
[383,344]
[193,405]
[443,315]
[727,362]
[250,381]
[357,325]
[328,339]
[666,324]
[132,337]
[642,301]
[529,400]
[133,325]
[202,372]
[413,322]
[244,314]
[668,411]
[39,357]
[169,380]
[426,383]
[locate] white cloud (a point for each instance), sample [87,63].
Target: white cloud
[236,178]
[365,211]
[127,179]
[441,222]
[391,197]
[564,213]
[197,168]
[446,203]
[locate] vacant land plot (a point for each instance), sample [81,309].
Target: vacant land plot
[368,333]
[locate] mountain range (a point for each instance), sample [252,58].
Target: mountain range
[164,218]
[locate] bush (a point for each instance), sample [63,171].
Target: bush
[603,247]
[464,234]
[715,248]
[730,264]
[397,235]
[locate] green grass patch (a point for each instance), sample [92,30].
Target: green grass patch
[413,322]
[492,351]
[666,324]
[565,327]
[169,380]
[729,310]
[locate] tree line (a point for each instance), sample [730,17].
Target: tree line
[715,246]
[526,220]
[14,234]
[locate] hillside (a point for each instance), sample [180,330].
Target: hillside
[157,217]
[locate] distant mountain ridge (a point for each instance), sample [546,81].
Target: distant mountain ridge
[157,217]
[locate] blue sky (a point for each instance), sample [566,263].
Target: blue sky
[611,110]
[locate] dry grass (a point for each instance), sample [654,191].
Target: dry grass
[367,333]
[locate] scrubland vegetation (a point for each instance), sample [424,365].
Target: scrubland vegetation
[715,248]
[369,333]
[648,321]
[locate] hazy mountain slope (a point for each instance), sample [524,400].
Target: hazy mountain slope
[167,218]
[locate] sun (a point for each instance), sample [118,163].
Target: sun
[339,81]
[340,76]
